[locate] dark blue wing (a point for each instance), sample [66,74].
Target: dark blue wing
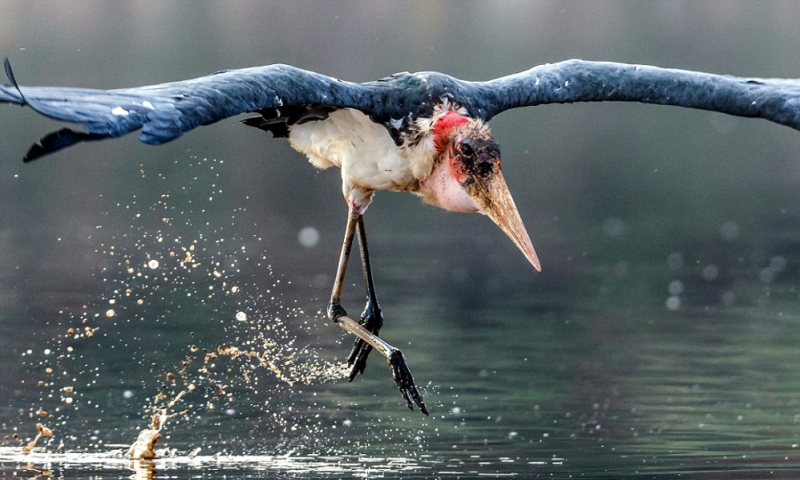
[776,100]
[164,112]
[283,94]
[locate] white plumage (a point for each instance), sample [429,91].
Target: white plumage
[366,154]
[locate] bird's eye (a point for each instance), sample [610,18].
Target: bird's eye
[466,149]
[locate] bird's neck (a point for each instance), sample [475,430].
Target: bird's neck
[442,189]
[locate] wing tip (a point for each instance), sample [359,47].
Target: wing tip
[7,68]
[13,80]
[58,140]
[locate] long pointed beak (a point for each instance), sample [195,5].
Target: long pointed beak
[495,201]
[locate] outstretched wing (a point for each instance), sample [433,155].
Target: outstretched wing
[776,100]
[164,112]
[283,95]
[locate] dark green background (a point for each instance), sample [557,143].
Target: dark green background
[583,362]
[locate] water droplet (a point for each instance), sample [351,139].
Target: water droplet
[777,263]
[728,298]
[675,287]
[673,303]
[710,272]
[308,237]
[153,264]
[675,260]
[241,316]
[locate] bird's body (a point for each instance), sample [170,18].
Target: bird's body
[367,156]
[370,160]
[423,133]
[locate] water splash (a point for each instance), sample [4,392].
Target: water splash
[158,280]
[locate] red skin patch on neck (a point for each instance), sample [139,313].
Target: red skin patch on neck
[444,127]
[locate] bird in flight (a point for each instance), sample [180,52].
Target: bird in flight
[425,133]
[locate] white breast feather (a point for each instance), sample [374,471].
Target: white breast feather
[365,152]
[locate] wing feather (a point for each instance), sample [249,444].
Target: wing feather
[284,95]
[164,112]
[776,100]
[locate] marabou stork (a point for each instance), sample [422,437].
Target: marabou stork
[423,133]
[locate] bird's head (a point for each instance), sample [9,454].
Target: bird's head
[466,178]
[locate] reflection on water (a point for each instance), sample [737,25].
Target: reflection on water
[109,465]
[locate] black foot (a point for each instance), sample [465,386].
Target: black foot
[372,320]
[405,381]
[358,358]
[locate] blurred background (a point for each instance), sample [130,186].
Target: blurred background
[668,237]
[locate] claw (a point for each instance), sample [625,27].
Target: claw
[372,320]
[358,358]
[405,381]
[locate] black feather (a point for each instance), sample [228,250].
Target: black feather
[55,141]
[278,120]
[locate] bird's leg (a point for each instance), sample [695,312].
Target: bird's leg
[397,361]
[372,317]
[335,309]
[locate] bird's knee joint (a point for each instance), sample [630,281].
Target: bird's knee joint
[373,314]
[335,311]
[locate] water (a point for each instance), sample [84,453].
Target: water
[660,340]
[600,379]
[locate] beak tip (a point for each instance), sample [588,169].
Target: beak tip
[498,205]
[535,262]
